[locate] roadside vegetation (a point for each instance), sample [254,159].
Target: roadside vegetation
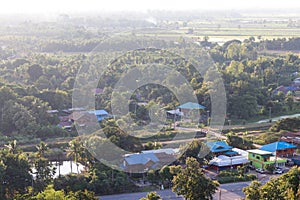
[283,187]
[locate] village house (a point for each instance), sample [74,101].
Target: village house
[280,149]
[221,148]
[150,159]
[260,159]
[223,162]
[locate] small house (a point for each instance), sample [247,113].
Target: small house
[281,149]
[260,159]
[223,162]
[100,114]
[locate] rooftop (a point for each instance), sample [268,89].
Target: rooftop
[191,106]
[140,158]
[277,146]
[227,161]
[218,146]
[260,152]
[167,151]
[98,112]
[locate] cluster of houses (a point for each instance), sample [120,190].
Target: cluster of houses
[83,117]
[293,88]
[226,157]
[80,116]
[276,153]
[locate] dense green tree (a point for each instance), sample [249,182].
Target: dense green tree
[166,175]
[44,170]
[239,142]
[192,183]
[283,187]
[289,124]
[252,192]
[152,196]
[198,150]
[153,177]
[74,151]
[16,171]
[35,71]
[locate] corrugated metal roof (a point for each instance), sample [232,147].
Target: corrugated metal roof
[277,146]
[260,152]
[141,158]
[218,146]
[167,151]
[222,161]
[98,112]
[190,106]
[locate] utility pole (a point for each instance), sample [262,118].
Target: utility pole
[208,118]
[270,117]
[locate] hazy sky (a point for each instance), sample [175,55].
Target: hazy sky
[49,6]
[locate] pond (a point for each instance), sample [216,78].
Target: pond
[64,168]
[67,167]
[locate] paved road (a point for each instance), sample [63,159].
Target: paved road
[231,191]
[215,133]
[165,194]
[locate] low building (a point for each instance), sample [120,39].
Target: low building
[174,114]
[189,106]
[151,159]
[82,119]
[260,159]
[100,114]
[223,162]
[280,149]
[140,162]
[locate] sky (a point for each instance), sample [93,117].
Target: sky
[53,6]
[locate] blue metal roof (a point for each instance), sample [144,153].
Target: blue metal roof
[218,146]
[277,146]
[231,153]
[142,158]
[98,112]
[191,106]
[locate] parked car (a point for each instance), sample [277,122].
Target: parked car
[251,167]
[260,170]
[200,134]
[278,171]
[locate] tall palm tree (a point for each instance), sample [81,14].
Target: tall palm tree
[74,152]
[42,148]
[12,147]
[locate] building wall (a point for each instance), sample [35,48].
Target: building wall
[261,161]
[258,161]
[285,152]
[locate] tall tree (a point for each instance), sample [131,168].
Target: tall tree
[192,183]
[74,151]
[16,176]
[252,192]
[44,170]
[152,196]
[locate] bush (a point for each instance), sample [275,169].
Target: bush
[289,124]
[231,179]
